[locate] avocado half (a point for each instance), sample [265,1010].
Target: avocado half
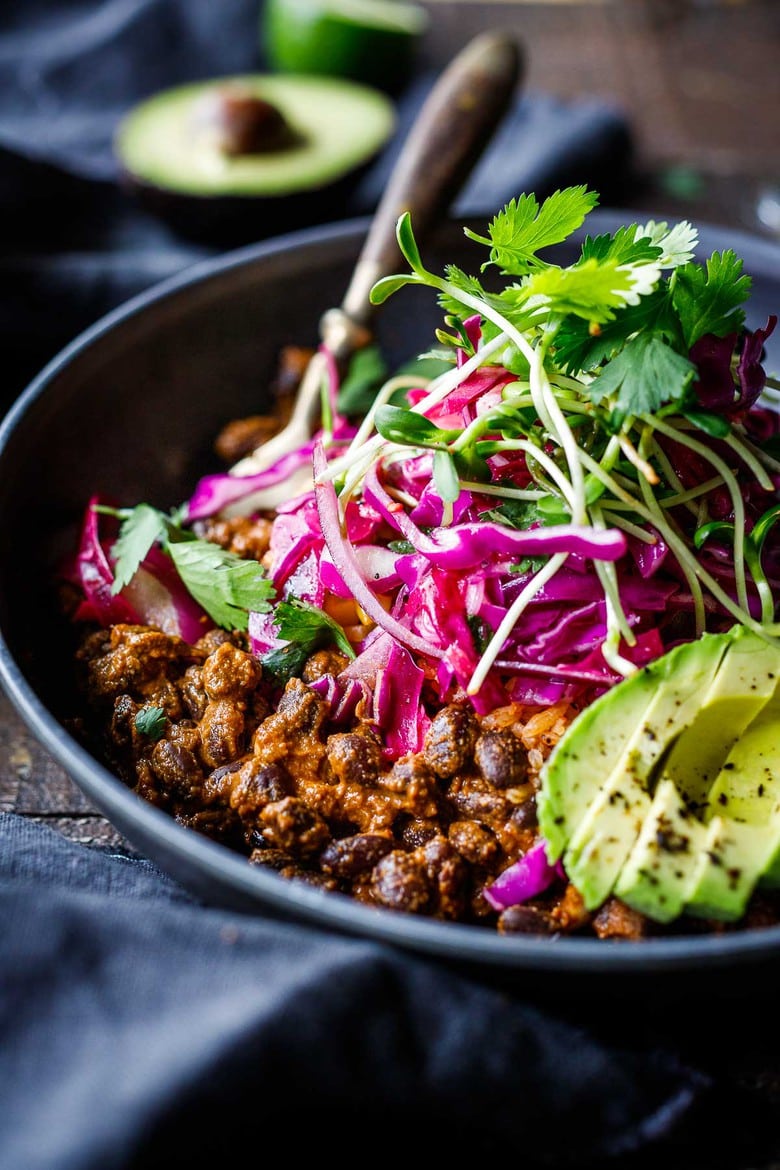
[243,157]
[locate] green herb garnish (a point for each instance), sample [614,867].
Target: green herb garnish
[151,721]
[305,628]
[228,587]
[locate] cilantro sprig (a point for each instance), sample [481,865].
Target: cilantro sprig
[600,339]
[304,628]
[227,586]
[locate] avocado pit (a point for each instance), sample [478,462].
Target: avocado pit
[239,122]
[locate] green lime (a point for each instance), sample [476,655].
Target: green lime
[366,40]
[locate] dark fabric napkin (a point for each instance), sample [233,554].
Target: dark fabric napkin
[138,1027]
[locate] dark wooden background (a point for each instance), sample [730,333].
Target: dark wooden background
[700,85]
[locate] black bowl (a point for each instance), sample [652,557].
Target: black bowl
[130,410]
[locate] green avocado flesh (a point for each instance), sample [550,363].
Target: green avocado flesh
[337,127]
[681,812]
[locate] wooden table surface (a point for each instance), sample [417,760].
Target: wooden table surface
[700,86]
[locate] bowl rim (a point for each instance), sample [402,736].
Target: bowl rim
[267,891]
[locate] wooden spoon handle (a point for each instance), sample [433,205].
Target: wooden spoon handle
[455,124]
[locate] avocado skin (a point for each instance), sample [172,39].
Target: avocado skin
[228,221]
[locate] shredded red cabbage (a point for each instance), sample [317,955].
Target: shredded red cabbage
[527,878]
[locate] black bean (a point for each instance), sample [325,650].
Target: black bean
[400,881]
[292,825]
[449,741]
[175,766]
[351,856]
[525,920]
[524,815]
[354,758]
[501,758]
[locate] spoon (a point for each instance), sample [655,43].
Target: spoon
[450,133]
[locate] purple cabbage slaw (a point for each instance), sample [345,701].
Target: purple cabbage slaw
[427,587]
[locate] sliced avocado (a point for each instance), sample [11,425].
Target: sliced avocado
[282,148]
[657,878]
[601,844]
[584,758]
[670,866]
[748,787]
[743,842]
[728,867]
[744,683]
[606,834]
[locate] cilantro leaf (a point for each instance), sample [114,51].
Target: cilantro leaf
[592,289]
[644,375]
[676,245]
[708,299]
[151,721]
[522,228]
[465,283]
[515,513]
[285,662]
[481,632]
[627,246]
[138,533]
[305,629]
[300,621]
[224,584]
[580,348]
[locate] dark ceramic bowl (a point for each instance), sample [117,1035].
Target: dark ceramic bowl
[130,410]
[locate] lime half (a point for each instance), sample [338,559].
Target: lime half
[367,40]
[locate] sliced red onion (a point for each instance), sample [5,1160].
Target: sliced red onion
[327,687]
[96,577]
[263,634]
[305,582]
[344,559]
[215,492]
[293,536]
[342,694]
[397,707]
[527,878]
[155,596]
[353,692]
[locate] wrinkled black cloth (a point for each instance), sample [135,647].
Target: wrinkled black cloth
[75,244]
[138,1025]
